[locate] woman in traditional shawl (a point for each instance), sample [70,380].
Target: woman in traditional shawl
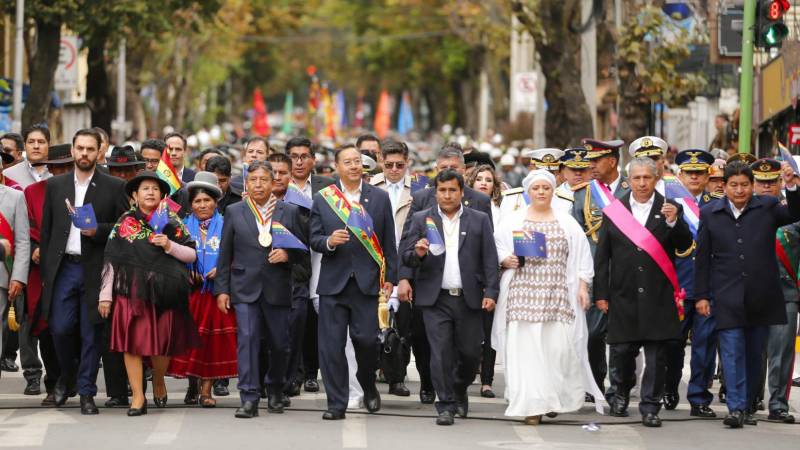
[146,278]
[217,357]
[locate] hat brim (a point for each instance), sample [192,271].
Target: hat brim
[7,158]
[133,184]
[203,185]
[60,161]
[125,164]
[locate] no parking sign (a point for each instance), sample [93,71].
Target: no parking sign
[66,77]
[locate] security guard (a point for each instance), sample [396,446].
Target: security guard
[654,148]
[543,158]
[604,160]
[694,165]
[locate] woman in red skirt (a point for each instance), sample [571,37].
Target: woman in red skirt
[146,278]
[216,358]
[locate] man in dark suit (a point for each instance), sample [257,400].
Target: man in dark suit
[72,262]
[450,157]
[299,150]
[635,293]
[452,288]
[737,269]
[355,270]
[176,146]
[255,278]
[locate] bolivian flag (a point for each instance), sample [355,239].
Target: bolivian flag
[166,171]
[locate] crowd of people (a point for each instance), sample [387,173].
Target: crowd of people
[578,276]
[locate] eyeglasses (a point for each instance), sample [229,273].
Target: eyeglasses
[151,161]
[395,165]
[303,157]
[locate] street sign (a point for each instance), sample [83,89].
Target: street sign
[730,20]
[794,134]
[523,91]
[66,77]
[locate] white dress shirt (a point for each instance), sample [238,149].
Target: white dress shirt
[613,185]
[736,211]
[306,187]
[74,239]
[641,211]
[451,278]
[355,196]
[263,211]
[45,174]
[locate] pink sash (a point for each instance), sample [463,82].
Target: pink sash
[644,239]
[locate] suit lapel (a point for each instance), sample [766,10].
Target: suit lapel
[90,190]
[250,220]
[655,213]
[463,227]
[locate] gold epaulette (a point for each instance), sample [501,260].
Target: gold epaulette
[564,196]
[512,191]
[578,187]
[716,194]
[687,252]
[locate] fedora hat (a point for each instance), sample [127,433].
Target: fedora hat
[133,184]
[207,181]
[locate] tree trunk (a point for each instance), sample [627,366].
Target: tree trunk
[98,89]
[634,109]
[42,72]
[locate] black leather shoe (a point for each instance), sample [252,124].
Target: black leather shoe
[723,395]
[49,400]
[160,402]
[136,412]
[759,406]
[670,400]
[293,390]
[248,410]
[487,393]
[445,418]
[192,396]
[552,415]
[275,404]
[88,408]
[588,398]
[780,416]
[34,386]
[750,419]
[221,390]
[462,405]
[333,415]
[651,420]
[8,365]
[427,397]
[618,410]
[263,393]
[60,392]
[116,402]
[287,402]
[702,411]
[734,419]
[399,389]
[372,399]
[311,386]
[796,382]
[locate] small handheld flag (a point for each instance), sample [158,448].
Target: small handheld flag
[419,182]
[82,216]
[159,218]
[297,197]
[674,190]
[283,238]
[435,242]
[532,245]
[786,156]
[166,171]
[360,220]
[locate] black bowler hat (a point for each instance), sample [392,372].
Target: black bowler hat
[133,184]
[59,154]
[123,156]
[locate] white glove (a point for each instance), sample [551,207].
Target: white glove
[394,304]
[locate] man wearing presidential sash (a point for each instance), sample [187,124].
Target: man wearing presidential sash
[636,285]
[352,225]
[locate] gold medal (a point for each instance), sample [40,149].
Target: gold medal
[265,239]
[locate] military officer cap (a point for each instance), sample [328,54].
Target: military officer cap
[694,160]
[575,158]
[746,158]
[766,169]
[546,158]
[717,169]
[598,149]
[649,146]
[368,164]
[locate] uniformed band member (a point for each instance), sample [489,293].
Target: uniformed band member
[654,148]
[694,168]
[737,278]
[452,288]
[359,263]
[781,341]
[634,291]
[604,160]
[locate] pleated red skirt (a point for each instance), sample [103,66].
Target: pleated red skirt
[216,356]
[139,329]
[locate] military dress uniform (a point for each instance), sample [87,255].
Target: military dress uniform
[590,217]
[654,148]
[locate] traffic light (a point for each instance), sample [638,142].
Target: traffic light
[770,28]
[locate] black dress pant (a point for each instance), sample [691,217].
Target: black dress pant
[597,325]
[310,347]
[350,308]
[455,333]
[676,353]
[50,360]
[421,348]
[297,329]
[489,356]
[623,358]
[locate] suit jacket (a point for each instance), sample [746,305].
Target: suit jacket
[13,208]
[107,196]
[477,258]
[20,174]
[403,205]
[188,175]
[640,297]
[352,259]
[242,268]
[736,264]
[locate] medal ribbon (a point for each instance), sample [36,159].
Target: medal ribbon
[267,218]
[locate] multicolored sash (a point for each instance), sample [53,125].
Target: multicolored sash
[641,237]
[360,225]
[8,234]
[786,256]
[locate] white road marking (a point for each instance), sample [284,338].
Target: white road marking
[30,430]
[354,431]
[167,428]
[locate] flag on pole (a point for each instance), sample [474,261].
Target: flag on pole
[160,217]
[405,117]
[383,116]
[329,111]
[341,109]
[313,101]
[166,171]
[787,156]
[359,115]
[260,119]
[288,113]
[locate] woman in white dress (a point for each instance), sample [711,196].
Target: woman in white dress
[540,326]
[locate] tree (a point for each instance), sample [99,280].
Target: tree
[552,24]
